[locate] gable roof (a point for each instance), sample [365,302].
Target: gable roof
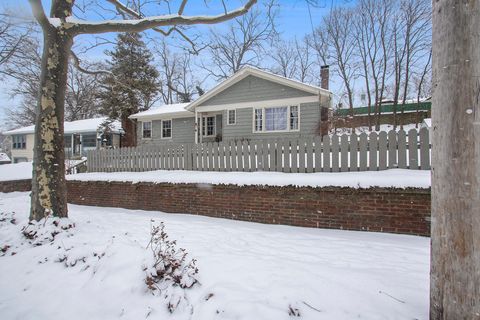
[79,126]
[248,70]
[177,110]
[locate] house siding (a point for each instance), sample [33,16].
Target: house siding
[182,132]
[309,120]
[253,89]
[24,153]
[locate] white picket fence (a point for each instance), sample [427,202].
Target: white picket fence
[364,152]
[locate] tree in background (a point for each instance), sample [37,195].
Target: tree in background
[81,101]
[244,43]
[132,85]
[178,82]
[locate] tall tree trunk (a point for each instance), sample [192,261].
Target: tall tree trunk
[455,264]
[48,179]
[129,139]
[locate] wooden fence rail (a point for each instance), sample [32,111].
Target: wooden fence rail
[364,152]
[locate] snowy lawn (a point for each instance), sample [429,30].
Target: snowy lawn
[247,270]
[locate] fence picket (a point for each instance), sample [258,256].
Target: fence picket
[301,155]
[424,149]
[318,154]
[363,145]
[372,151]
[344,153]
[335,153]
[326,146]
[412,149]
[353,163]
[382,150]
[392,149]
[402,149]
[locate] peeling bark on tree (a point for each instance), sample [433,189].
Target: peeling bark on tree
[49,191]
[455,264]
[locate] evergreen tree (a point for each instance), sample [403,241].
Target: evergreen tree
[133,84]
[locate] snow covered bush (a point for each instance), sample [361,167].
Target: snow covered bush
[169,269]
[45,230]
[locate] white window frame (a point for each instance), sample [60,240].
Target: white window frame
[151,130]
[171,129]
[234,117]
[23,140]
[264,120]
[204,127]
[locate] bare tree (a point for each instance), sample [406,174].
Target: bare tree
[455,262]
[337,31]
[244,42]
[25,69]
[285,59]
[12,37]
[59,30]
[373,31]
[179,84]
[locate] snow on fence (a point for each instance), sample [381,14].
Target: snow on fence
[337,153]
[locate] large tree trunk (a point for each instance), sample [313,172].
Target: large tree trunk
[455,264]
[49,192]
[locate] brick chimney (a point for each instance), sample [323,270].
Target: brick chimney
[324,77]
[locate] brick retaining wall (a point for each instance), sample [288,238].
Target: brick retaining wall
[16,185]
[375,209]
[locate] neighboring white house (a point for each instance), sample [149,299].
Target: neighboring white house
[252,104]
[80,136]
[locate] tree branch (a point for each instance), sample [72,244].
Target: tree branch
[76,63]
[82,27]
[39,14]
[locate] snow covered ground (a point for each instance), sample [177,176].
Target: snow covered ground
[16,171]
[247,270]
[400,178]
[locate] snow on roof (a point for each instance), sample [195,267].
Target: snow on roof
[79,126]
[167,110]
[4,157]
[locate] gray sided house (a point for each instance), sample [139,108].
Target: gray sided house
[250,105]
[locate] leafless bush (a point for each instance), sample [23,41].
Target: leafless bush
[170,266]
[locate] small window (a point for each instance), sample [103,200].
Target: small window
[89,140]
[276,119]
[293,117]
[19,142]
[147,130]
[166,129]
[258,119]
[232,116]
[208,126]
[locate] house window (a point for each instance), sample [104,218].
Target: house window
[258,119]
[293,117]
[208,126]
[232,116]
[166,129]
[19,142]
[147,130]
[89,140]
[276,119]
